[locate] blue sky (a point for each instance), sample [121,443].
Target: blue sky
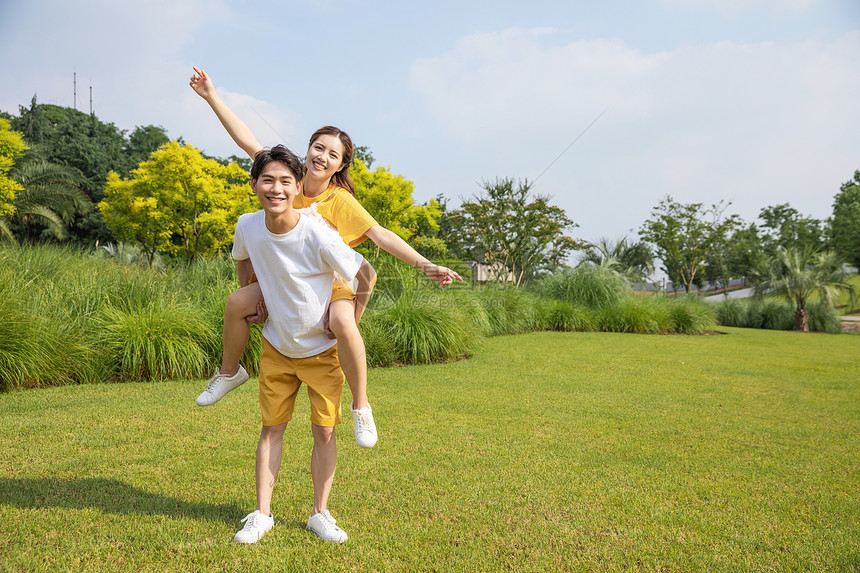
[749,101]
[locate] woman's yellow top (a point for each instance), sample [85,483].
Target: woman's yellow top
[342,211]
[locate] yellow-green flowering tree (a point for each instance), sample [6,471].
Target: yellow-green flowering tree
[11,147]
[178,202]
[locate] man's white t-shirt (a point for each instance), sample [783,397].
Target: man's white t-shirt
[295,271]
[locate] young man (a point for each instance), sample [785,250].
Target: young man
[294,258]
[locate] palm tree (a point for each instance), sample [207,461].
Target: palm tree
[51,197]
[632,260]
[798,273]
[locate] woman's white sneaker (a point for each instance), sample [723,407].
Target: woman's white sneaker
[365,428]
[219,385]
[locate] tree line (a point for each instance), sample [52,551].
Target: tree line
[67,176]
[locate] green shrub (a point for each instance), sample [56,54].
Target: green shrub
[162,340]
[587,285]
[823,318]
[732,312]
[509,310]
[563,316]
[642,315]
[690,315]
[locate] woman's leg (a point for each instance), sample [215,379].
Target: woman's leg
[350,350]
[237,331]
[353,362]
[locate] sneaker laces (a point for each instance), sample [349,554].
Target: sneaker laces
[250,521]
[214,382]
[363,420]
[328,522]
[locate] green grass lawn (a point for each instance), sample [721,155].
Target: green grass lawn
[546,451]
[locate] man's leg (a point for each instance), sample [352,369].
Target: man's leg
[270,451]
[323,464]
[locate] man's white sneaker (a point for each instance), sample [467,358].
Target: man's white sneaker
[365,428]
[256,526]
[219,385]
[323,524]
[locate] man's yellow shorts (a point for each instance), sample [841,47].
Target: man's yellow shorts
[280,380]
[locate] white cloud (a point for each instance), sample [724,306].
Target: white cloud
[758,124]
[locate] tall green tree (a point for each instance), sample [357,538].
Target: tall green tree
[141,142]
[798,273]
[513,231]
[177,202]
[685,235]
[782,226]
[844,228]
[81,141]
[738,256]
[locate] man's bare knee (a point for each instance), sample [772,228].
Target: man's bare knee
[272,432]
[322,434]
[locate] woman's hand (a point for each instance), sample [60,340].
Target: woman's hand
[201,83]
[439,274]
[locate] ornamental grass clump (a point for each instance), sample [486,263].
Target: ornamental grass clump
[207,283]
[563,316]
[36,351]
[164,339]
[641,315]
[824,318]
[422,329]
[775,314]
[379,341]
[20,352]
[690,315]
[770,314]
[509,310]
[590,285]
[732,312]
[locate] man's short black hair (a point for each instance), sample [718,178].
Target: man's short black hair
[276,153]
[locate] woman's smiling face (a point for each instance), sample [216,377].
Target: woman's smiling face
[325,157]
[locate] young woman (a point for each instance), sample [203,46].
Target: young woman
[328,187]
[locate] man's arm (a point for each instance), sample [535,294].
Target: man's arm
[202,84]
[245,269]
[366,278]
